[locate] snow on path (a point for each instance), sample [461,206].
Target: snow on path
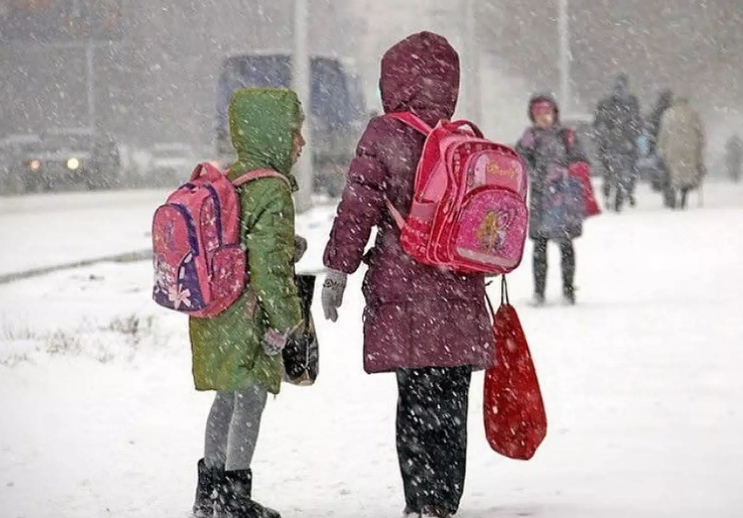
[642,383]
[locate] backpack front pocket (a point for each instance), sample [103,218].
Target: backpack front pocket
[491,232]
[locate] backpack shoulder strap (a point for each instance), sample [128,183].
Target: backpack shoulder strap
[260,173]
[413,121]
[396,215]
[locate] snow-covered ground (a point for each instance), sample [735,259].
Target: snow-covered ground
[642,382]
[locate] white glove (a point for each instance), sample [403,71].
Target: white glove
[332,294]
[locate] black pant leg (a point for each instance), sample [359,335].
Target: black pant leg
[539,266]
[608,172]
[567,260]
[449,448]
[684,196]
[410,451]
[432,435]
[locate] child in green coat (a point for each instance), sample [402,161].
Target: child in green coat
[237,353]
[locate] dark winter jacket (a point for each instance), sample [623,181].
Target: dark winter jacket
[618,122]
[415,316]
[556,209]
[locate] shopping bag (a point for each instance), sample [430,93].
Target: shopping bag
[581,171]
[302,352]
[515,419]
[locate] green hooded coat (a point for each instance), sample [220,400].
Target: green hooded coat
[227,352]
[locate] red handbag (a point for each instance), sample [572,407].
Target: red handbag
[515,419]
[582,172]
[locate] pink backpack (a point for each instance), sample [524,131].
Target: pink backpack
[198,259]
[469,212]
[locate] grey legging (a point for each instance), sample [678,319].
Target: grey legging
[232,428]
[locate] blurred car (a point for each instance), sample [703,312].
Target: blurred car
[64,158]
[336,115]
[170,163]
[14,152]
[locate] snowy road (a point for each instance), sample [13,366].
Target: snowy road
[49,230]
[642,383]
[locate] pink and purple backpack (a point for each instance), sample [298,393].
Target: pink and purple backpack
[200,265]
[469,212]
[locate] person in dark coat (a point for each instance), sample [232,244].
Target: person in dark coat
[658,172]
[665,100]
[618,124]
[410,307]
[556,209]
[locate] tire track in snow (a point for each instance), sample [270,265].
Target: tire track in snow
[126,257]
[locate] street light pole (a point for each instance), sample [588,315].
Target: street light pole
[563,28]
[474,106]
[90,59]
[301,82]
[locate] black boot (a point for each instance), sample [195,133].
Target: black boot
[567,259]
[568,295]
[209,479]
[235,497]
[684,197]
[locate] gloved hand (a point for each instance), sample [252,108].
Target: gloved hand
[332,294]
[274,342]
[300,247]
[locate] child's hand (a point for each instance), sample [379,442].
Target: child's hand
[273,342]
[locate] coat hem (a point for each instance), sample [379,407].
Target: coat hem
[388,368]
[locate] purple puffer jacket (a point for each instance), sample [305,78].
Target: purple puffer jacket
[416,316]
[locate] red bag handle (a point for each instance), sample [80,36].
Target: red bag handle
[503,297]
[204,169]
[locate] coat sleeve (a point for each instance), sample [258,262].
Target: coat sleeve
[270,247]
[525,148]
[362,204]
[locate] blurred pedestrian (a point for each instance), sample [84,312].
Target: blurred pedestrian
[664,101]
[734,157]
[556,205]
[618,124]
[681,146]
